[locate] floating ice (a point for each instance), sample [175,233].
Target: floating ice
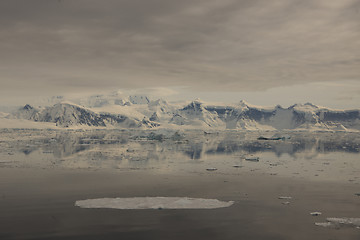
[153,203]
[283,197]
[324,224]
[237,166]
[346,221]
[211,169]
[340,222]
[315,213]
[252,159]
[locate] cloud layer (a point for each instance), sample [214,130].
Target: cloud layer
[62,46]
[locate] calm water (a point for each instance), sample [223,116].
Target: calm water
[315,156]
[43,173]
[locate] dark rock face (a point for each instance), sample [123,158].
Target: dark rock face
[226,113]
[154,117]
[28,107]
[66,115]
[118,120]
[339,116]
[112,118]
[221,111]
[257,115]
[148,123]
[193,106]
[178,119]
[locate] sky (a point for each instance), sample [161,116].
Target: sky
[263,51]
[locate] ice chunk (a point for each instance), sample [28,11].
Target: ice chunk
[324,224]
[345,221]
[315,213]
[275,137]
[340,222]
[211,169]
[153,203]
[252,159]
[283,197]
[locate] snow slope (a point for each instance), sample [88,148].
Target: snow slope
[67,114]
[195,114]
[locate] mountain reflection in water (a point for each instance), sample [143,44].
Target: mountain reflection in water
[163,150]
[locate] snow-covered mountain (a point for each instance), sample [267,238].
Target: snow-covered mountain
[118,111]
[68,114]
[297,117]
[196,114]
[27,112]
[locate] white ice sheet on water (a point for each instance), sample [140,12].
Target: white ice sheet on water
[153,203]
[340,222]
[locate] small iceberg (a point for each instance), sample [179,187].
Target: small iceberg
[153,203]
[284,197]
[275,137]
[237,166]
[252,159]
[315,213]
[211,169]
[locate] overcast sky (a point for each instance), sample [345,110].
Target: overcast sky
[220,49]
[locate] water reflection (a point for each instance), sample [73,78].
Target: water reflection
[195,151]
[192,144]
[150,149]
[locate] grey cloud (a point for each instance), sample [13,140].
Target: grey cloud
[70,46]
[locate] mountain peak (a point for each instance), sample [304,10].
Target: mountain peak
[198,100]
[312,105]
[242,103]
[304,107]
[195,105]
[28,107]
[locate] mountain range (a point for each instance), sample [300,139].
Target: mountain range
[114,111]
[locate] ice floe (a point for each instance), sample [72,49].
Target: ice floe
[284,197]
[153,203]
[252,159]
[211,169]
[315,213]
[340,222]
[237,166]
